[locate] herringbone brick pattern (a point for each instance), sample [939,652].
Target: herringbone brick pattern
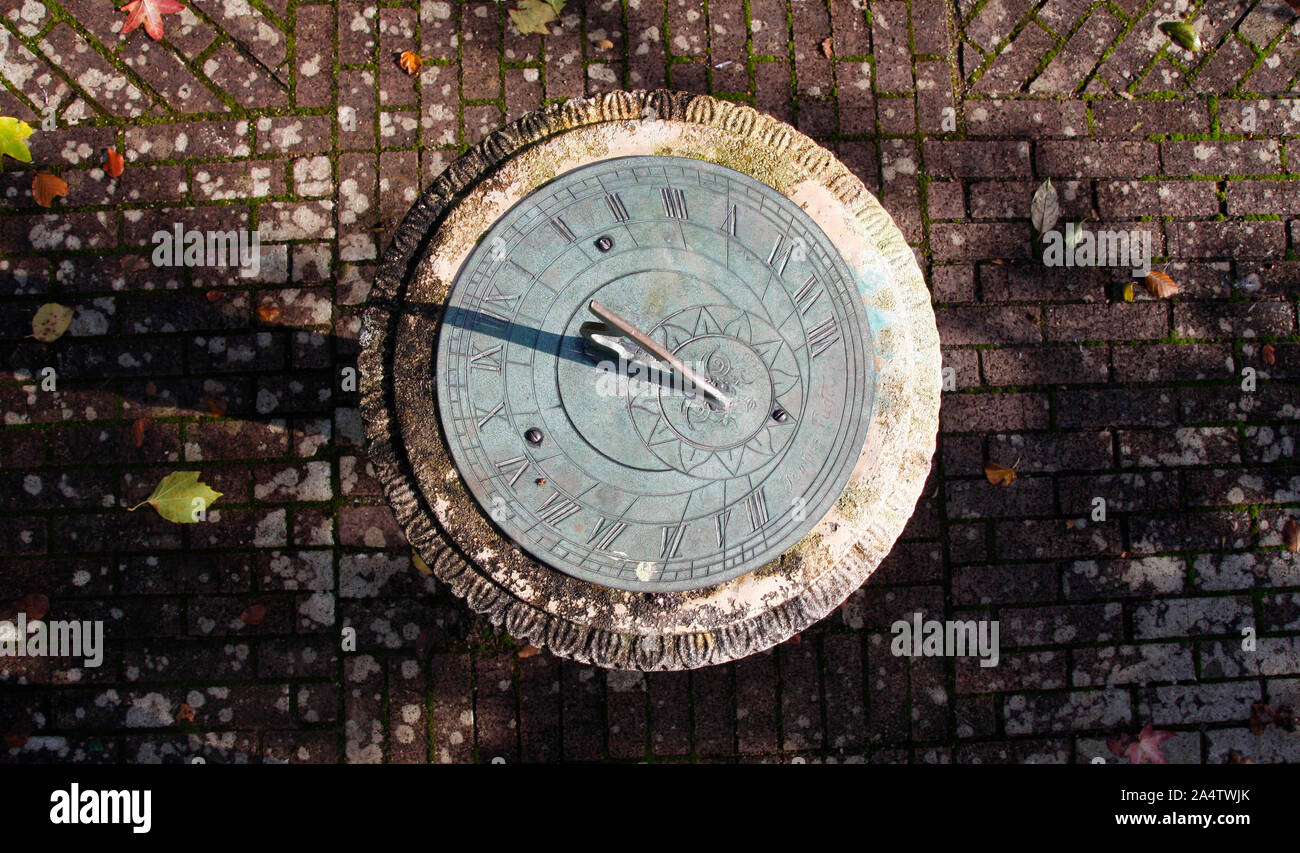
[293,118]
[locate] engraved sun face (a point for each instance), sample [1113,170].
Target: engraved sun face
[644,485]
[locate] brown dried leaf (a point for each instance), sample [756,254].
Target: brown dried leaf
[34,604]
[529,651]
[214,405]
[1000,475]
[18,734]
[1291,535]
[185,714]
[420,565]
[410,62]
[114,164]
[605,44]
[1160,284]
[1235,757]
[150,388]
[1260,717]
[137,431]
[253,614]
[47,187]
[828,47]
[269,312]
[1269,352]
[213,295]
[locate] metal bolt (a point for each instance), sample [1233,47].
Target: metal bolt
[605,243]
[533,436]
[780,415]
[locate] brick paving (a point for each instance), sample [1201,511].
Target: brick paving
[293,117]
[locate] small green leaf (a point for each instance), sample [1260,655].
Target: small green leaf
[180,497]
[532,16]
[1183,34]
[13,134]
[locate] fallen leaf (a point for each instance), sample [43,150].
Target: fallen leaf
[1128,292]
[176,494]
[150,388]
[13,138]
[1260,717]
[1291,535]
[253,614]
[796,640]
[47,188]
[214,405]
[605,44]
[532,16]
[19,733]
[828,47]
[1118,743]
[1269,353]
[137,431]
[529,651]
[1160,284]
[114,164]
[149,13]
[1000,475]
[34,604]
[214,295]
[51,321]
[1235,757]
[1045,208]
[424,643]
[1183,34]
[1294,4]
[185,714]
[269,312]
[420,565]
[1146,749]
[410,62]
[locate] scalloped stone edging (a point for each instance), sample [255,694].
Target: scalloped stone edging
[573,618]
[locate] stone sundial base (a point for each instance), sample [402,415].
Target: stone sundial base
[580,602]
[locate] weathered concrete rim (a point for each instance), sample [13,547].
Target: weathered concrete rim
[613,628]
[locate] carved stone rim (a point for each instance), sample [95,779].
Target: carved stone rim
[588,622]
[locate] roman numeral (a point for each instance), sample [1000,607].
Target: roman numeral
[807,294]
[720,526]
[563,230]
[498,305]
[781,252]
[486,359]
[756,504]
[729,225]
[489,415]
[674,203]
[607,531]
[670,540]
[520,466]
[823,336]
[556,509]
[616,207]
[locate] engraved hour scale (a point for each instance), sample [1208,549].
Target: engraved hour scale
[651,380]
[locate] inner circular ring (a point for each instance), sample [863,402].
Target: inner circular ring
[740,372]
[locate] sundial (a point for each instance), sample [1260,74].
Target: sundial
[650,379]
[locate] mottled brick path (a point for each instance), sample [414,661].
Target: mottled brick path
[293,117]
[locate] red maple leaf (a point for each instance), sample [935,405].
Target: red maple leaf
[149,13]
[1146,749]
